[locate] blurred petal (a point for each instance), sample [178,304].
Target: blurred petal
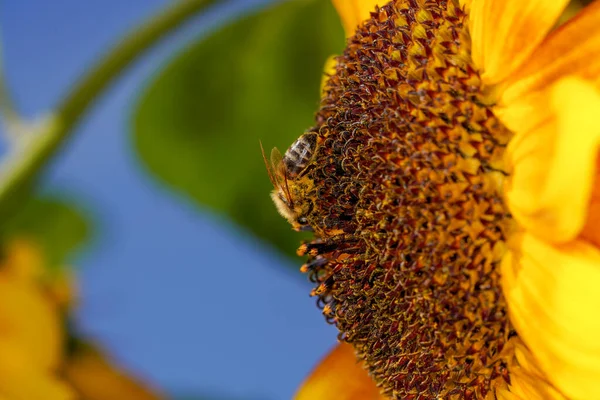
[22,379]
[591,230]
[97,379]
[22,260]
[354,12]
[63,288]
[553,167]
[505,33]
[28,319]
[30,329]
[573,49]
[553,301]
[328,70]
[572,9]
[339,376]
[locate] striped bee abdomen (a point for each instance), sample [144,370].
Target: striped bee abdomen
[300,153]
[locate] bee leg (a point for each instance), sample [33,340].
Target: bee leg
[313,264]
[319,247]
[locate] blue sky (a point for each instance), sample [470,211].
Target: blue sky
[177,295]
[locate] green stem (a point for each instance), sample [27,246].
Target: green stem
[20,171]
[10,117]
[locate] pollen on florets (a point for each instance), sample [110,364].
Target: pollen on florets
[408,215]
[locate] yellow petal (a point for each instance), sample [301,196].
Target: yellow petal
[572,9]
[354,12]
[527,382]
[552,168]
[591,230]
[63,288]
[328,70]
[339,376]
[504,33]
[23,260]
[553,302]
[30,321]
[31,333]
[97,379]
[573,49]
[20,379]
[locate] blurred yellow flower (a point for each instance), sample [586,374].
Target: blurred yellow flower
[95,378]
[31,331]
[33,363]
[538,89]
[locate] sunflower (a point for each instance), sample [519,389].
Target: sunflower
[455,203]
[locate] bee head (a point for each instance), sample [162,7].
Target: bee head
[294,212]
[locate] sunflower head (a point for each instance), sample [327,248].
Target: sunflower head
[409,218]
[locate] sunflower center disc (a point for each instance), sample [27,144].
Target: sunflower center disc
[407,206]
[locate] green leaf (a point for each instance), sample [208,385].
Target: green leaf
[198,124]
[52,223]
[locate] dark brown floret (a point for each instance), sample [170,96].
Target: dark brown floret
[407,206]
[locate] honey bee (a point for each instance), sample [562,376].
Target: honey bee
[291,193]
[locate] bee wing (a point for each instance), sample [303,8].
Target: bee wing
[268,166]
[277,163]
[280,174]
